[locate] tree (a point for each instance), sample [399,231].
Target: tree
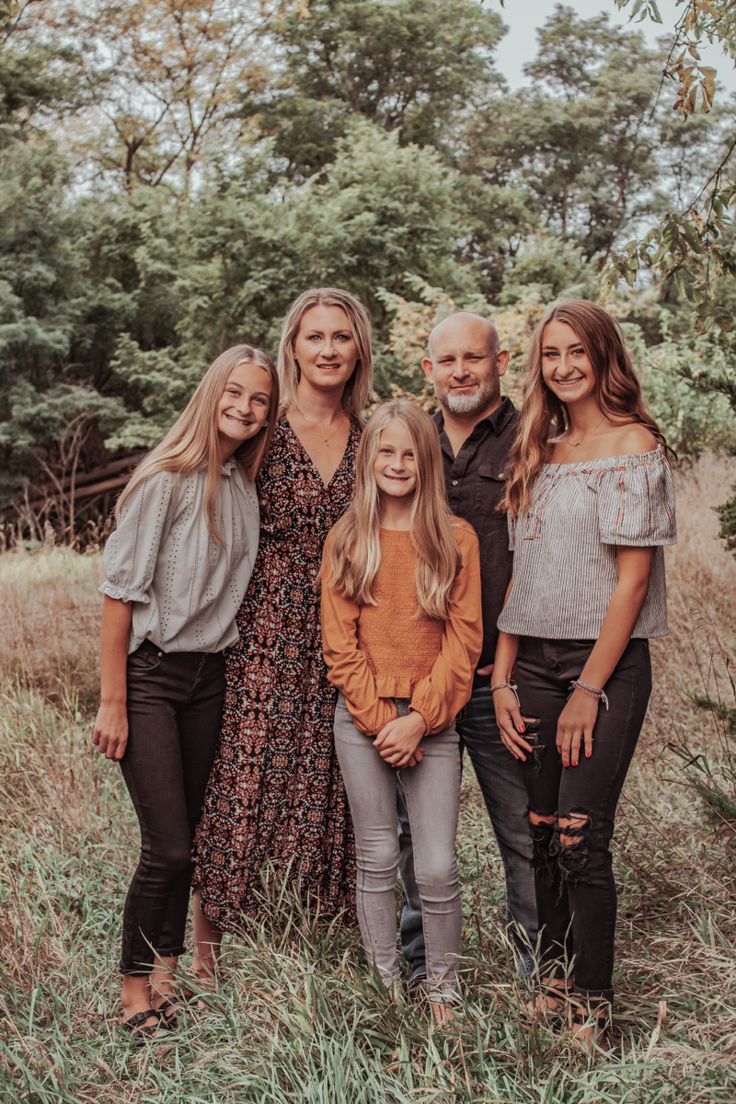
[165,75]
[394,63]
[694,245]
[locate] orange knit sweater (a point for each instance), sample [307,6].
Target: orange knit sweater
[391,650]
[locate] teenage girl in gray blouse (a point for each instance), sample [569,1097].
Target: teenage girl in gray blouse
[177,568]
[590,505]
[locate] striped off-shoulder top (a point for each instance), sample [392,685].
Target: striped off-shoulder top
[565,545]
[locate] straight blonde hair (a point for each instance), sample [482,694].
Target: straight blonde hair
[355,547]
[543,416]
[193,443]
[359,387]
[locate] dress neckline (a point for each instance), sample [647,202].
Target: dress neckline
[654,453]
[295,435]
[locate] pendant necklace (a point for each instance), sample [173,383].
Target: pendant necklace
[313,428]
[576,444]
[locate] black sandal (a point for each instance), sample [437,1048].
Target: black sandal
[139,1033]
[169,1011]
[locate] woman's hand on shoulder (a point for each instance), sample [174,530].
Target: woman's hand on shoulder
[110,735]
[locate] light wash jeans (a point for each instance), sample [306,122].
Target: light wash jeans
[502,784]
[432,794]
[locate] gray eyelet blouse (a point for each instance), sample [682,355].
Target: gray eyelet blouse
[565,545]
[185,587]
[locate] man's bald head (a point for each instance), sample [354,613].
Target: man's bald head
[465,324]
[465,363]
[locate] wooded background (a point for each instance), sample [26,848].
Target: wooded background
[174,172]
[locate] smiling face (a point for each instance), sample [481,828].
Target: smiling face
[243,409]
[325,348]
[566,368]
[465,364]
[395,465]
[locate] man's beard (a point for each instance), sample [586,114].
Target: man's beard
[469,403]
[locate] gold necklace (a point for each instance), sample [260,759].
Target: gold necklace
[313,428]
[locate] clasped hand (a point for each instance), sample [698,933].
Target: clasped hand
[398,741]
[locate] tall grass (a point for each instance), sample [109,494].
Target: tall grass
[296,1020]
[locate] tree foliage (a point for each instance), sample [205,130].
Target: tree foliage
[175,171]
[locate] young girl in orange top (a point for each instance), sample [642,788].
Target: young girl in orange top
[402,636]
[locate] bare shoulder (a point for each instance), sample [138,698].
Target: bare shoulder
[633,439]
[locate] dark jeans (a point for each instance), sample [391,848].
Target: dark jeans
[576,893]
[174,713]
[502,784]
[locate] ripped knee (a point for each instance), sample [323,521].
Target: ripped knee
[571,845]
[542,830]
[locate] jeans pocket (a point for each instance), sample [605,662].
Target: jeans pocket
[144,659]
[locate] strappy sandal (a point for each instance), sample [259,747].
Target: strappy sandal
[169,1010]
[599,1021]
[140,1034]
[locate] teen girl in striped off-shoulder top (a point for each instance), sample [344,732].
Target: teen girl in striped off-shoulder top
[590,504]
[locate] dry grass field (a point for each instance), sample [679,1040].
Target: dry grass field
[295,1021]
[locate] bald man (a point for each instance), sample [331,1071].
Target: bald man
[476,426]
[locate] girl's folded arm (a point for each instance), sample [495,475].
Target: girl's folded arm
[442,694]
[348,668]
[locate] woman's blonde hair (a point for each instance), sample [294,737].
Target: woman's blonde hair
[544,417]
[193,442]
[359,387]
[355,547]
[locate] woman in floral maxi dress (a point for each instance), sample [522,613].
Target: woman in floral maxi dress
[275,802]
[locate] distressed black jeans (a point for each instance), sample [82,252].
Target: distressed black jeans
[174,714]
[575,889]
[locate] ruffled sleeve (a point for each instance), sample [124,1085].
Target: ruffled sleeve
[636,501]
[131,552]
[442,694]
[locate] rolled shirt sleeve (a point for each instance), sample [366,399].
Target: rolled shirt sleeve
[442,694]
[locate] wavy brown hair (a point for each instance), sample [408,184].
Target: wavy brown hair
[354,551]
[193,441]
[544,417]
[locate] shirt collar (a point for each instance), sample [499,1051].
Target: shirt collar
[496,422]
[227,467]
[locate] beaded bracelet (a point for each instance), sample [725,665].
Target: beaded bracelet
[506,686]
[594,691]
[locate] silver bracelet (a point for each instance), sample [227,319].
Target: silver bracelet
[594,691]
[506,686]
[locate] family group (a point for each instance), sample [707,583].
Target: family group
[308,616]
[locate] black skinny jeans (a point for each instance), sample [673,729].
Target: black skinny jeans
[174,707]
[576,893]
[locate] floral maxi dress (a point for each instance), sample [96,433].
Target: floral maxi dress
[275,801]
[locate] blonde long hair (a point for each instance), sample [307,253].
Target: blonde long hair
[193,443]
[543,416]
[359,387]
[355,546]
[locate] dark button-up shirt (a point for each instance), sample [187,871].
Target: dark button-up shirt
[475,482]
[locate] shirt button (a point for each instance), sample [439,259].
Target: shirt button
[454,482]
